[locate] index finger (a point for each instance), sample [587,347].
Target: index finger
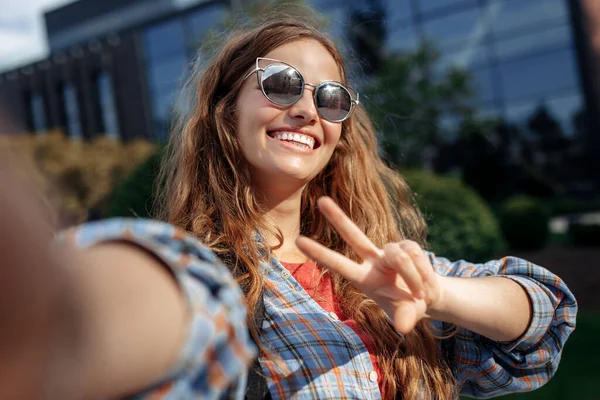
[348,230]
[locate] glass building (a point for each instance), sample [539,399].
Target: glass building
[135,54]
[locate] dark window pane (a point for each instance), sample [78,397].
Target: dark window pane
[482,82]
[563,109]
[202,19]
[338,24]
[536,75]
[401,38]
[163,104]
[164,39]
[546,40]
[38,113]
[431,5]
[72,111]
[468,57]
[167,73]
[397,11]
[456,31]
[107,105]
[510,16]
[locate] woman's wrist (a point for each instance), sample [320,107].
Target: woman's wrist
[440,308]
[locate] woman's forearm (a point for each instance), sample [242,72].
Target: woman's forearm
[495,307]
[132,316]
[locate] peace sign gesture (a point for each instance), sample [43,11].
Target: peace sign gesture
[399,277]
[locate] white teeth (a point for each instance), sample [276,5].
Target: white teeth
[298,139]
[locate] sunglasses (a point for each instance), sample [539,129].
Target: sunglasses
[283,85]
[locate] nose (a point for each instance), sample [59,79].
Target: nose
[304,109]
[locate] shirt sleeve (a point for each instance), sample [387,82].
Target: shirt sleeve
[215,357]
[485,368]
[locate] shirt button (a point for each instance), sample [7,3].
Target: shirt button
[373,376]
[333,316]
[286,274]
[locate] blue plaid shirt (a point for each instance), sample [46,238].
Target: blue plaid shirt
[323,357]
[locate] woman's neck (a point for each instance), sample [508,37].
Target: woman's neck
[284,214]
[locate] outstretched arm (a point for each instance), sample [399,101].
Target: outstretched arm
[115,308]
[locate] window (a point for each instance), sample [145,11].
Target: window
[397,11]
[468,57]
[538,75]
[457,31]
[482,83]
[166,73]
[72,111]
[555,38]
[164,39]
[431,5]
[106,100]
[201,20]
[512,16]
[563,108]
[38,113]
[401,38]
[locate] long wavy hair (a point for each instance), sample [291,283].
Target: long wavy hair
[207,190]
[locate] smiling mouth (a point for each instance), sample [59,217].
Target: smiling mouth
[298,139]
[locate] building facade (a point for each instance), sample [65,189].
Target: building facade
[116,66]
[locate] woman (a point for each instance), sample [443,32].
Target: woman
[276,172]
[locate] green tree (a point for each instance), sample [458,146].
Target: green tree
[409,99]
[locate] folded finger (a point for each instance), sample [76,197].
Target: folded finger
[419,258]
[396,258]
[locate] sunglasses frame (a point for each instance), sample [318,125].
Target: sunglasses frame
[353,101]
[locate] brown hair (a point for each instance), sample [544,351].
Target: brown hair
[208,192]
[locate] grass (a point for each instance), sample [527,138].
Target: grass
[579,371]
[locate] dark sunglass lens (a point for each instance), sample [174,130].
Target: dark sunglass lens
[333,101]
[281,84]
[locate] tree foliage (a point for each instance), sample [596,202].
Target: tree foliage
[75,176]
[410,99]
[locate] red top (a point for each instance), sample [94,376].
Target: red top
[307,275]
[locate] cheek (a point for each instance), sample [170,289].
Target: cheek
[332,132]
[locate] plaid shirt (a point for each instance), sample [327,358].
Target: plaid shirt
[320,356]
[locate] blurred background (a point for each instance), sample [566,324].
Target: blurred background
[489,108]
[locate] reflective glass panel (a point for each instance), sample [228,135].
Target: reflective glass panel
[401,38]
[482,83]
[163,103]
[456,31]
[202,19]
[167,73]
[397,11]
[108,110]
[545,40]
[72,111]
[511,16]
[164,39]
[563,108]
[536,75]
[38,113]
[431,5]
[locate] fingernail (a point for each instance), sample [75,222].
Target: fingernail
[420,294]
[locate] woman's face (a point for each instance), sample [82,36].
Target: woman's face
[261,124]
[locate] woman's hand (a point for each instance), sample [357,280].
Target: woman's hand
[399,277]
[32,298]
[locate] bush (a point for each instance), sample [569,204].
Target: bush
[134,197]
[461,224]
[74,175]
[524,221]
[581,234]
